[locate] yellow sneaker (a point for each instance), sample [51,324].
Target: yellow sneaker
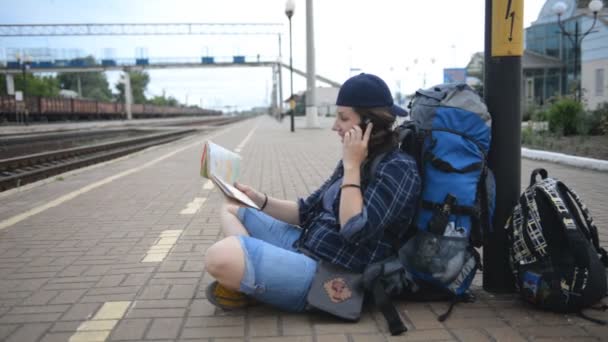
[227,299]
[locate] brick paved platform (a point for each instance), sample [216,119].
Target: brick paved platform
[77,261]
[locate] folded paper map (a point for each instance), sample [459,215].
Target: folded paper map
[222,167]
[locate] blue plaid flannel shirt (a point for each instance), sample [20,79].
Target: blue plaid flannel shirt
[389,202]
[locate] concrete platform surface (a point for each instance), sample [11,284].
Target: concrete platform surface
[115,252]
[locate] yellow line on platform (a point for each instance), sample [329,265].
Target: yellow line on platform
[194,206]
[159,251]
[99,327]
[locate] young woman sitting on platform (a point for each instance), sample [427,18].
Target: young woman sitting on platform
[271,255]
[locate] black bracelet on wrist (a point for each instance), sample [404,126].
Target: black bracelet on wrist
[265,202]
[350,186]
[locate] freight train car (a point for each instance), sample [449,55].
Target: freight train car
[62,109]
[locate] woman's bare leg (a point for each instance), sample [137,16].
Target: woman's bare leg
[229,222]
[225,261]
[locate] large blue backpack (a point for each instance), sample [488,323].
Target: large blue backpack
[449,135]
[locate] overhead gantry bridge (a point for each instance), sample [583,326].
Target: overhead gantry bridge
[14,67]
[78,65]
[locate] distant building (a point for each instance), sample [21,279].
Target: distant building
[548,62]
[68,93]
[326,100]
[260,110]
[454,75]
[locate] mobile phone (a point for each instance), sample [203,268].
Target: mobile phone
[364,122]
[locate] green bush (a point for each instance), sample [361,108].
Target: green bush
[594,122]
[534,112]
[527,136]
[590,123]
[533,139]
[564,117]
[600,120]
[540,115]
[528,112]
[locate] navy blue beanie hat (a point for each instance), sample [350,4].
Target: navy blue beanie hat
[367,91]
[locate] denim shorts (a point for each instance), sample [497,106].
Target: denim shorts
[275,272]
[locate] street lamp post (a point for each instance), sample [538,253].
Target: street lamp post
[25,61]
[280,76]
[290,6]
[576,38]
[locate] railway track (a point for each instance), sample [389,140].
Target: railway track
[14,145]
[21,170]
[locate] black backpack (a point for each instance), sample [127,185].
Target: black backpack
[554,249]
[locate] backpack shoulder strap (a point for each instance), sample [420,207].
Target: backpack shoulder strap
[592,228]
[484,224]
[576,237]
[377,280]
[394,237]
[373,166]
[395,324]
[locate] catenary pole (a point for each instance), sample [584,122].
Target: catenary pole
[312,119]
[502,92]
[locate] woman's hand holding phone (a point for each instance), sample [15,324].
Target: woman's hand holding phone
[355,144]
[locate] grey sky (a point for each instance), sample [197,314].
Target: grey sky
[403,41]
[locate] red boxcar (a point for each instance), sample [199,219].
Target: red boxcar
[33,105]
[40,106]
[120,108]
[7,104]
[137,109]
[55,105]
[106,108]
[84,106]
